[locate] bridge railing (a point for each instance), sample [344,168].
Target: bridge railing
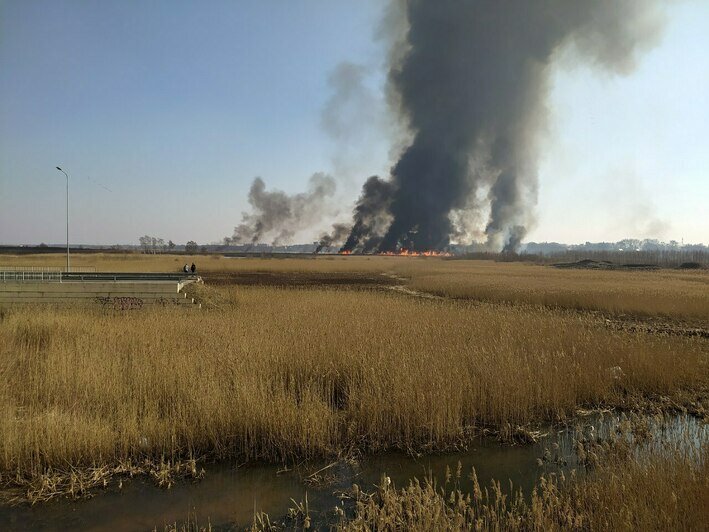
[23,276]
[74,276]
[48,269]
[39,273]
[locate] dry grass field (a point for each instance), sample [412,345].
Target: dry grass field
[673,294]
[267,373]
[665,293]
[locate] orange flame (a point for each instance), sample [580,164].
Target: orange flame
[410,253]
[407,253]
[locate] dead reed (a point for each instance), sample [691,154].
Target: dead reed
[630,479]
[665,293]
[668,293]
[283,374]
[625,482]
[657,493]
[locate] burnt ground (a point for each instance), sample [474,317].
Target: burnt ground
[588,264]
[299,279]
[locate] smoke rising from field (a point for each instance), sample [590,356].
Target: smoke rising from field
[348,117]
[371,215]
[470,80]
[277,216]
[334,238]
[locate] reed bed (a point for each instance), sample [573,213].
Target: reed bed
[281,375]
[665,293]
[670,294]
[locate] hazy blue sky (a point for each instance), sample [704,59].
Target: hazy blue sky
[177,106]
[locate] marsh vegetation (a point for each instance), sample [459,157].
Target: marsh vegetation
[659,492]
[285,371]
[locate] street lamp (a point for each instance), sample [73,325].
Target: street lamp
[67,217]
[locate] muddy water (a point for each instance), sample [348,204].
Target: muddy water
[228,496]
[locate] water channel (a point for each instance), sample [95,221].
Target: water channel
[228,496]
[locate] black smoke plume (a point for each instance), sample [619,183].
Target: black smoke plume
[334,238]
[370,215]
[470,80]
[277,216]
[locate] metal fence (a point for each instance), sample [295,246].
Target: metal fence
[60,276]
[48,269]
[29,276]
[39,273]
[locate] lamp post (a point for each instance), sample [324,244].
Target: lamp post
[67,217]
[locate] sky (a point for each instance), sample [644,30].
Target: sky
[163,113]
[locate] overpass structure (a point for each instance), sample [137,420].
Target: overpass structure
[114,289]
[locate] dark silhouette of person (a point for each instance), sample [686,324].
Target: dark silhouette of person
[193,268]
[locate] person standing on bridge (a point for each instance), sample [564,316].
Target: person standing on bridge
[193,268]
[186,269]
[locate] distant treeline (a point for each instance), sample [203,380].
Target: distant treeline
[669,258]
[627,251]
[627,244]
